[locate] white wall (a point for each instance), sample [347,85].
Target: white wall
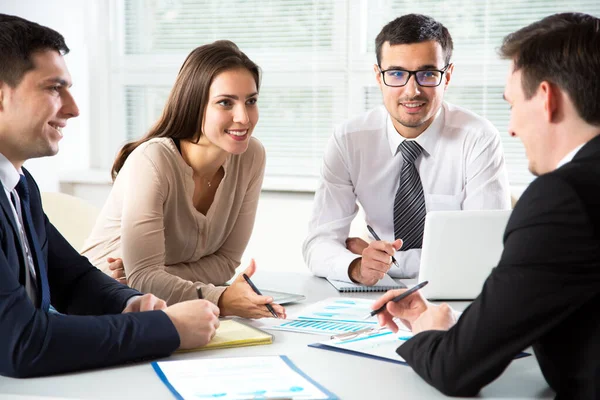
[69,18]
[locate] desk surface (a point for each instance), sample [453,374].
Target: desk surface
[348,376]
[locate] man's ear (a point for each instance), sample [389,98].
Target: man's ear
[2,92]
[377,75]
[551,98]
[448,75]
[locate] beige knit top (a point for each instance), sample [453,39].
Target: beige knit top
[169,248]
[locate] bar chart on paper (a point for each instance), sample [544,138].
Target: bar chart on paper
[380,345]
[265,377]
[320,327]
[331,316]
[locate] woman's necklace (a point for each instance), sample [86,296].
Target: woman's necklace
[208,180]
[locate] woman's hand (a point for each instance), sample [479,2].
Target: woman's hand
[239,299]
[115,265]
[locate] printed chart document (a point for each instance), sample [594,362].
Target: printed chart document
[378,343]
[269,377]
[331,316]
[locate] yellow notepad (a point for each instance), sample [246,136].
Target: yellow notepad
[232,333]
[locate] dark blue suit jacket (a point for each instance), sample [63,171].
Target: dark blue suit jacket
[544,293]
[94,334]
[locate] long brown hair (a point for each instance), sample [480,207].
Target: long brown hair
[182,116]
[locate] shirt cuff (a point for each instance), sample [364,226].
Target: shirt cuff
[131,300]
[340,270]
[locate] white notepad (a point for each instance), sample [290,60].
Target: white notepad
[387,283]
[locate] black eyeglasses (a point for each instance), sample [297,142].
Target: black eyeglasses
[424,77]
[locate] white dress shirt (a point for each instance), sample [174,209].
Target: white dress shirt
[9,177]
[461,167]
[569,157]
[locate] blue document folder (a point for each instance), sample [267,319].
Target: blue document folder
[379,344]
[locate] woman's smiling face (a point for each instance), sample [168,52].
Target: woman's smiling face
[232,111]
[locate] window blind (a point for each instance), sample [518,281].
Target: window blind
[299,45]
[311,78]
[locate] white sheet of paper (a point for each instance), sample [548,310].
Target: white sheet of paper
[341,309]
[327,328]
[331,316]
[269,377]
[382,344]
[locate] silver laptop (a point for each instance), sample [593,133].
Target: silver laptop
[460,249]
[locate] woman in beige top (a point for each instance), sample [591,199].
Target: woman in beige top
[184,198]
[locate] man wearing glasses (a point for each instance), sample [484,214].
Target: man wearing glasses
[413,155]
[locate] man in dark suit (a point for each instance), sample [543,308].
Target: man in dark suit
[57,312]
[545,291]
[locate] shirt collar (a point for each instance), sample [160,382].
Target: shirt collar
[9,176]
[427,139]
[569,156]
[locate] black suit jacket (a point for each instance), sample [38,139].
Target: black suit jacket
[34,342]
[545,292]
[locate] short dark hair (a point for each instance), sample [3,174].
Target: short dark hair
[414,28]
[563,49]
[19,38]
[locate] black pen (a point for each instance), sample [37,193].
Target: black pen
[269,307]
[377,238]
[399,297]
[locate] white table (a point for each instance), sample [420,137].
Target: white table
[348,376]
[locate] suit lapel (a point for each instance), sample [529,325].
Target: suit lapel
[8,212]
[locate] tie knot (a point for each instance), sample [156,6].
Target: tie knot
[22,188]
[410,150]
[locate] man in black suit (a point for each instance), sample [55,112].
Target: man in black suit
[545,291]
[57,312]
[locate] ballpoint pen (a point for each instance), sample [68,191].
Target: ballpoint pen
[398,298]
[376,237]
[269,307]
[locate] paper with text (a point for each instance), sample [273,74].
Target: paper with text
[270,377]
[381,344]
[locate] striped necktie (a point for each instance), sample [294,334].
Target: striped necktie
[409,204]
[23,191]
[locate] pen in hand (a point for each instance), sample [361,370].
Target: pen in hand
[398,298]
[255,289]
[376,237]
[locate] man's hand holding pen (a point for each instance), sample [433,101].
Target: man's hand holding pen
[414,311]
[375,261]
